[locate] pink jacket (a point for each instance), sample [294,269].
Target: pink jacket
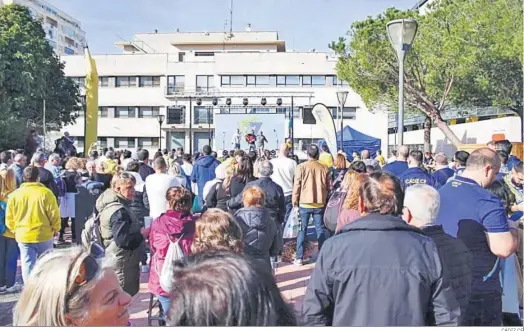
[171,224]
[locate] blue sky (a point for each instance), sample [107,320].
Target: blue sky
[303,24]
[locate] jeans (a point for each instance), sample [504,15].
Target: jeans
[289,207]
[320,229]
[237,146]
[164,303]
[29,253]
[8,261]
[483,310]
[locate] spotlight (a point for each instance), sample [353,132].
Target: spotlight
[228,101]
[279,102]
[199,102]
[263,101]
[215,101]
[245,102]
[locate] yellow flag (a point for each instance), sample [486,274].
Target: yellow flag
[91,111]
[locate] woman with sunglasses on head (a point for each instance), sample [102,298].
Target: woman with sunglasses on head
[176,225]
[121,230]
[70,287]
[222,288]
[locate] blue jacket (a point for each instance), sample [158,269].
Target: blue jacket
[396,168]
[512,161]
[442,175]
[417,175]
[204,171]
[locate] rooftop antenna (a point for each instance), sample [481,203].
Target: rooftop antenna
[231,18]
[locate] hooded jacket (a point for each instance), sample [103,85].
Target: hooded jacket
[120,230]
[204,171]
[260,235]
[169,226]
[379,271]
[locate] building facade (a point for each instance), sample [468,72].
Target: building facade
[62,31]
[191,78]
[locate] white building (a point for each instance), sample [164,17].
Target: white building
[62,31]
[167,74]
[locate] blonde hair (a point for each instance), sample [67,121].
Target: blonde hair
[7,182]
[354,181]
[174,169]
[122,178]
[217,230]
[253,197]
[44,297]
[231,171]
[73,164]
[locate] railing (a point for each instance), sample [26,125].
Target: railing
[182,92]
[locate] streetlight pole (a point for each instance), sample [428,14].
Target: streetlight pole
[341,98]
[160,119]
[401,35]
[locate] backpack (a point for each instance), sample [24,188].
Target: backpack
[333,208]
[91,233]
[3,208]
[174,253]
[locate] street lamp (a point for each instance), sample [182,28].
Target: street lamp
[401,35]
[160,119]
[341,97]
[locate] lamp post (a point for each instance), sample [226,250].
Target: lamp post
[160,119]
[342,97]
[401,35]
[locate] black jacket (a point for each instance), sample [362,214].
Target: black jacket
[457,263]
[379,271]
[237,185]
[275,200]
[140,205]
[47,179]
[144,170]
[217,197]
[260,235]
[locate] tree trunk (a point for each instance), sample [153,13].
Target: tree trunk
[427,134]
[443,126]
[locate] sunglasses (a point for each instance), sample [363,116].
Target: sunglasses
[88,269]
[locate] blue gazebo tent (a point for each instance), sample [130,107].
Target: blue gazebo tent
[356,141]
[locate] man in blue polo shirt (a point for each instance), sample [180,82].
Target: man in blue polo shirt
[442,170]
[475,216]
[461,158]
[415,174]
[397,168]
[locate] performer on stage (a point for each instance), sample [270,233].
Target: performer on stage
[236,139]
[261,140]
[251,138]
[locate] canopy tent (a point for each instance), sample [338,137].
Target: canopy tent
[355,141]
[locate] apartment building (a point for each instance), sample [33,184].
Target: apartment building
[62,31]
[192,78]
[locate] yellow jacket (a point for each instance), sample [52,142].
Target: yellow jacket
[32,214]
[326,159]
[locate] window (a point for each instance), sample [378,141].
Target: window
[102,142]
[125,112]
[69,51]
[175,115]
[181,56]
[147,112]
[203,115]
[251,80]
[204,54]
[205,83]
[288,80]
[318,80]
[124,142]
[126,81]
[308,117]
[103,81]
[148,142]
[175,84]
[349,113]
[306,80]
[233,80]
[338,82]
[102,111]
[331,80]
[149,81]
[262,80]
[79,81]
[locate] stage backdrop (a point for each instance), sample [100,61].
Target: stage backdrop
[273,126]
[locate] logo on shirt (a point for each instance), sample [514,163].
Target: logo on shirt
[413,181]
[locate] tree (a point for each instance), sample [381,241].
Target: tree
[29,74]
[466,54]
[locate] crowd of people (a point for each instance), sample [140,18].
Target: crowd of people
[413,241]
